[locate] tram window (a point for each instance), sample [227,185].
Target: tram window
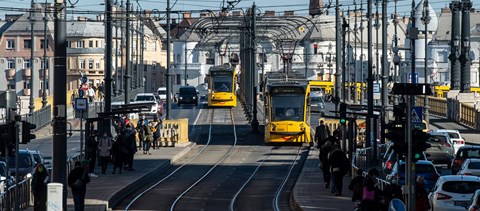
[222,86]
[287,108]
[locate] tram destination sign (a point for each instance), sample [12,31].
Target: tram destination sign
[287,90]
[221,73]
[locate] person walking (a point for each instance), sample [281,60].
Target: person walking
[339,165]
[120,153]
[421,195]
[91,94]
[356,185]
[40,179]
[370,192]
[324,164]
[104,147]
[91,152]
[322,132]
[148,140]
[141,131]
[77,181]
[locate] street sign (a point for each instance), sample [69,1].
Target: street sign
[376,91]
[417,114]
[81,104]
[84,79]
[396,205]
[415,78]
[84,87]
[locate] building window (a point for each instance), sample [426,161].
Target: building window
[45,66]
[27,44]
[90,64]
[11,64]
[10,44]
[26,84]
[90,44]
[97,65]
[41,84]
[11,86]
[80,44]
[82,64]
[195,55]
[43,44]
[154,47]
[26,63]
[179,79]
[178,58]
[96,43]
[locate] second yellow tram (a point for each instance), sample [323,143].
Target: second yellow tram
[287,113]
[222,83]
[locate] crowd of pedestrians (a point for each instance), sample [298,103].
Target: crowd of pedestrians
[365,191]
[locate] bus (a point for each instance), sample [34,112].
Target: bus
[221,86]
[287,109]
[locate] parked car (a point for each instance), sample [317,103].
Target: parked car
[456,137]
[471,166]
[462,154]
[441,150]
[474,202]
[26,163]
[453,192]
[423,168]
[187,95]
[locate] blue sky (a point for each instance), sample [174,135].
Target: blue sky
[300,6]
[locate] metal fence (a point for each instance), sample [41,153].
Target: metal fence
[9,198]
[41,117]
[362,159]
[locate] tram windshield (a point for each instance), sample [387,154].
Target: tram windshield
[222,84]
[287,108]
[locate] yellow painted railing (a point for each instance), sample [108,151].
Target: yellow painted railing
[468,115]
[172,132]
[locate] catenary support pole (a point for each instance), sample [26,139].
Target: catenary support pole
[169,87]
[128,77]
[108,66]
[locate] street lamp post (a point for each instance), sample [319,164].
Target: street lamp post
[32,58]
[45,46]
[426,20]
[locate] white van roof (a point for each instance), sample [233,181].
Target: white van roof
[162,88]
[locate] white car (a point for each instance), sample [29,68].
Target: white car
[455,137]
[148,98]
[475,202]
[470,166]
[453,192]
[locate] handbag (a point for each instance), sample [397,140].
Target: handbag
[368,195]
[79,183]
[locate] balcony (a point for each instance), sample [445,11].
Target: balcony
[10,73]
[27,73]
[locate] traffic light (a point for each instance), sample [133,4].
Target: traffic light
[315,48]
[343,113]
[419,143]
[27,128]
[396,134]
[399,112]
[7,138]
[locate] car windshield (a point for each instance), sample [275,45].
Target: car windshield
[38,158]
[162,92]
[437,139]
[287,107]
[316,99]
[468,153]
[453,135]
[145,98]
[461,187]
[24,161]
[474,165]
[187,91]
[222,84]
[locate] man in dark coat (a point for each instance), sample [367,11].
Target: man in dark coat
[322,132]
[338,167]
[40,179]
[91,152]
[131,145]
[78,190]
[324,164]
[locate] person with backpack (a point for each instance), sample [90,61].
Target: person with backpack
[339,165]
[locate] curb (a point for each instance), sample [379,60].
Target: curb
[130,188]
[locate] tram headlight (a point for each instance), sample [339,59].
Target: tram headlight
[274,127]
[301,126]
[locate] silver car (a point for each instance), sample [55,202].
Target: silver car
[317,102]
[441,150]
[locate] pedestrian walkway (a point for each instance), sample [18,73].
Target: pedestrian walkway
[309,192]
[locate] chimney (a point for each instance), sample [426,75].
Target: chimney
[187,15]
[270,13]
[315,7]
[236,13]
[289,13]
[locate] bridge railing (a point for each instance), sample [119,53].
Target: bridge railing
[41,117]
[468,115]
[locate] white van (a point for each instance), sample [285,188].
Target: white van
[162,93]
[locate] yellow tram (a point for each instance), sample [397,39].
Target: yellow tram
[287,113]
[221,83]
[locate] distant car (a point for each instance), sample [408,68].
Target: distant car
[453,192]
[457,139]
[162,93]
[471,166]
[475,201]
[187,95]
[317,102]
[5,177]
[441,150]
[391,158]
[26,164]
[462,154]
[423,168]
[148,98]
